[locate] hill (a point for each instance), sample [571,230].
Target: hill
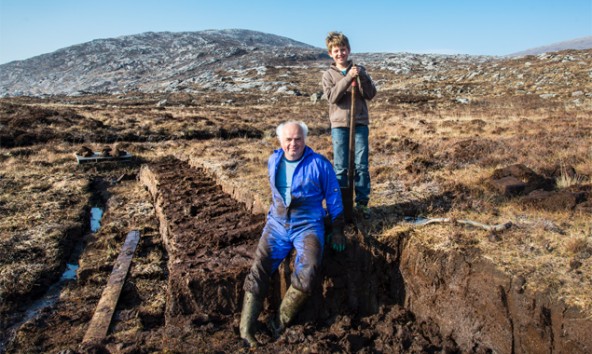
[148,62]
[236,60]
[578,44]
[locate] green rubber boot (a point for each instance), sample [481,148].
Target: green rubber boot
[290,306]
[251,308]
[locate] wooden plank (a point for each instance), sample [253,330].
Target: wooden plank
[99,324]
[98,157]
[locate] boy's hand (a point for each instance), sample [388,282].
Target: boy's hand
[361,70]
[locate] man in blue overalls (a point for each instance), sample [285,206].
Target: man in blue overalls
[300,180]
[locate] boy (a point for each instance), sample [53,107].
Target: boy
[336,86]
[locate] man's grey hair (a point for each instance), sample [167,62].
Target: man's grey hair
[280,129]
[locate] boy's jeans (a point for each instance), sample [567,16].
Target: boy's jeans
[340,137]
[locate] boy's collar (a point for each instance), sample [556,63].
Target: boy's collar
[349,65]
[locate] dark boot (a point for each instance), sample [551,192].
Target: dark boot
[251,308]
[290,306]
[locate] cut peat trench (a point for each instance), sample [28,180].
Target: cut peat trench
[459,300]
[211,238]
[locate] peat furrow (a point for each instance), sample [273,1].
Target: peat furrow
[462,293]
[252,202]
[209,255]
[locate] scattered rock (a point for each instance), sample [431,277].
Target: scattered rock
[315,97]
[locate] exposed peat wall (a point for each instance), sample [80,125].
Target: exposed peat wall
[479,305]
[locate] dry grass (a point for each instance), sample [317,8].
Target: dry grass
[42,204]
[566,180]
[430,156]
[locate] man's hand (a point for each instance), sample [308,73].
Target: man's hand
[338,240]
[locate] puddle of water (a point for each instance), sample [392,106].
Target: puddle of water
[70,272]
[96,214]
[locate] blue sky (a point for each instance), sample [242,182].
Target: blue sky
[498,27]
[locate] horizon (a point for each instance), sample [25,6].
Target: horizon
[29,28]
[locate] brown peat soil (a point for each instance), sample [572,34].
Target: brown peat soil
[196,189]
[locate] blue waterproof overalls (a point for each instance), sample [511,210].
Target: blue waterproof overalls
[298,225]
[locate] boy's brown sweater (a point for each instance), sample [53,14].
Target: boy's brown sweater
[337,89]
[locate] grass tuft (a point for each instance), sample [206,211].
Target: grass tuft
[566,180]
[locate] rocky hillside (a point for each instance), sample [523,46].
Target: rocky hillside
[216,60]
[564,75]
[240,61]
[148,62]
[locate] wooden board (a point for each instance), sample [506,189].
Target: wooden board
[98,157]
[99,324]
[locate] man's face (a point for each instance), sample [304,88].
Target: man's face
[339,55]
[292,141]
